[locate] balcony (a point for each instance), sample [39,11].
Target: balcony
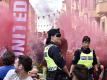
[101,7]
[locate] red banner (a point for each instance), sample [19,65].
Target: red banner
[20,11]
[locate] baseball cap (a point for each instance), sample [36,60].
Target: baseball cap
[53,32]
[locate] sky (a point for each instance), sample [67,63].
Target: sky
[46,8]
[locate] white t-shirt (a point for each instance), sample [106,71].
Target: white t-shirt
[12,75]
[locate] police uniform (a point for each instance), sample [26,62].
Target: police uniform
[85,56]
[55,62]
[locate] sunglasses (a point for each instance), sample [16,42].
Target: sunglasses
[58,35]
[86,42]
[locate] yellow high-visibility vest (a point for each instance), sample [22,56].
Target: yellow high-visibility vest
[86,59]
[51,65]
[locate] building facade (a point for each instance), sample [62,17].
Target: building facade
[96,9]
[101,10]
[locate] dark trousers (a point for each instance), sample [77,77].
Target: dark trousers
[56,75]
[51,75]
[90,77]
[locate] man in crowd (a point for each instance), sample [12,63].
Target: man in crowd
[8,59]
[80,72]
[23,65]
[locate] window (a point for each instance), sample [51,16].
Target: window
[85,3]
[103,25]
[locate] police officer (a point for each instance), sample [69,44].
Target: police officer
[85,56]
[56,67]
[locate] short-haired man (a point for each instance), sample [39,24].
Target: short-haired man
[23,65]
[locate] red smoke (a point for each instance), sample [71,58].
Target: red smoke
[6,23]
[75,27]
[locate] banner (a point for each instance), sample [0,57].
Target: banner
[20,9]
